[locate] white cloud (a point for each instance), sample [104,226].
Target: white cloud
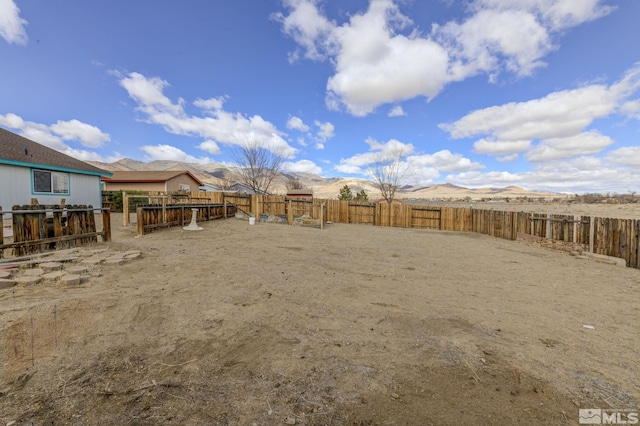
[308,27]
[557,120]
[443,161]
[296,123]
[631,109]
[88,135]
[591,142]
[210,146]
[168,152]
[396,111]
[325,132]
[576,175]
[302,166]
[11,24]
[493,147]
[556,14]
[219,125]
[214,104]
[377,150]
[376,65]
[478,44]
[380,56]
[508,158]
[626,156]
[423,167]
[54,136]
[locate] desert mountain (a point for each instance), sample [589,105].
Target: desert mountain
[217,173]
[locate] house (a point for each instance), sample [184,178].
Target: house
[29,171]
[161,181]
[300,194]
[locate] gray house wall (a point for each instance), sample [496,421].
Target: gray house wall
[16,188]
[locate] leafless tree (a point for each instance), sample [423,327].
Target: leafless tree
[258,167]
[294,183]
[389,172]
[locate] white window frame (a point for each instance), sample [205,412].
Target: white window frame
[57,183]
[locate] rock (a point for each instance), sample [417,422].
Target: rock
[53,276]
[290,420]
[114,261]
[395,395]
[91,261]
[51,266]
[71,279]
[28,280]
[76,270]
[35,272]
[5,274]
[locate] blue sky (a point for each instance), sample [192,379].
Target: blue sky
[543,94]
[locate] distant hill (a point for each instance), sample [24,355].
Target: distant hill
[217,173]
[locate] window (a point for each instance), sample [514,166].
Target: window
[46,182]
[183,187]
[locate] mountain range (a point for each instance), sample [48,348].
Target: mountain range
[218,173]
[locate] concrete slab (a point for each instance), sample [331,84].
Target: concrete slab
[76,270]
[114,261]
[71,279]
[35,272]
[53,276]
[51,266]
[28,280]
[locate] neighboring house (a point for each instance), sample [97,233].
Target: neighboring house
[163,181]
[300,194]
[29,170]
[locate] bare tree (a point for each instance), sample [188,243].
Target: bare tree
[389,172]
[294,183]
[258,167]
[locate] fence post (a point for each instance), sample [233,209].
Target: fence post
[140,221]
[106,225]
[592,228]
[125,209]
[164,209]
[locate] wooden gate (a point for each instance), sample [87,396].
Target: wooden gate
[362,213]
[242,202]
[425,217]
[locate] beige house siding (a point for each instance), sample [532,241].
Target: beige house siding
[172,185]
[135,186]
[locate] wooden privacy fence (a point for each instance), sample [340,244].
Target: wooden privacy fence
[37,228]
[603,236]
[152,217]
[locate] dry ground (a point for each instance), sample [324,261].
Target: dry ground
[356,325]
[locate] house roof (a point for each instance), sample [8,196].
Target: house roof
[148,176]
[20,151]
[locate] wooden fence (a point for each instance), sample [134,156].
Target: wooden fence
[38,228]
[604,236]
[152,217]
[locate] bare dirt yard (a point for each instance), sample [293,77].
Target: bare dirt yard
[270,324]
